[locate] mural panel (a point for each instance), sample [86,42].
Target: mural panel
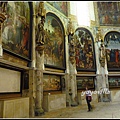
[109,13]
[51,82]
[112,44]
[61,6]
[82,82]
[84,50]
[15,29]
[114,82]
[54,43]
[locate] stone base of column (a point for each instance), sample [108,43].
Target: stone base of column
[39,112]
[104,98]
[73,104]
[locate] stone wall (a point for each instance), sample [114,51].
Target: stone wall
[54,102]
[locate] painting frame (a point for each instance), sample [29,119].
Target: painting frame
[83,81]
[84,50]
[13,70]
[52,82]
[22,51]
[55,43]
[114,82]
[112,42]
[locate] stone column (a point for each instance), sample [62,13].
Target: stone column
[102,73]
[32,92]
[73,85]
[40,38]
[39,84]
[72,65]
[33,63]
[67,80]
[72,75]
[32,80]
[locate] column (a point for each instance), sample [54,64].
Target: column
[32,80]
[102,73]
[40,38]
[39,84]
[72,65]
[33,63]
[68,99]
[72,71]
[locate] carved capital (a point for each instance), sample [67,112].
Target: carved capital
[40,49]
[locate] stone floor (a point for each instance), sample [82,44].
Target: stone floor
[100,110]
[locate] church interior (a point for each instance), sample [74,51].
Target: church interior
[50,51]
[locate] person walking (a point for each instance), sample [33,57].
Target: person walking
[88,98]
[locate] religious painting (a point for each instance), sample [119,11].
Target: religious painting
[61,6]
[15,29]
[114,82]
[82,82]
[51,82]
[54,42]
[109,13]
[84,50]
[112,46]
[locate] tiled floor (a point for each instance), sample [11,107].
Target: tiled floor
[100,110]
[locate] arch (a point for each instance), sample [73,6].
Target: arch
[85,53]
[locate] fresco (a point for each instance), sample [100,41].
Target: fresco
[109,13]
[82,82]
[112,45]
[114,82]
[54,43]
[51,82]
[15,29]
[84,50]
[61,6]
